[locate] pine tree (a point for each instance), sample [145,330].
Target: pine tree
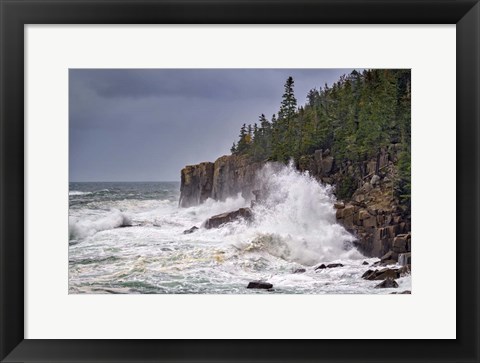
[354,118]
[242,142]
[289,102]
[284,129]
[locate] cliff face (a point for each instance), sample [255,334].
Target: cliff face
[372,213]
[227,177]
[374,216]
[233,175]
[196,184]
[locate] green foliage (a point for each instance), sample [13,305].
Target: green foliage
[404,185]
[346,187]
[354,118]
[244,140]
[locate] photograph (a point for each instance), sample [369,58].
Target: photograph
[239,181]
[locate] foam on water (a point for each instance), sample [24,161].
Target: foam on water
[81,228]
[77,192]
[296,221]
[293,227]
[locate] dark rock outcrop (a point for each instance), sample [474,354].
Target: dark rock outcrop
[259,285]
[196,184]
[190,230]
[226,177]
[385,273]
[400,243]
[388,283]
[372,213]
[220,219]
[331,265]
[381,274]
[234,174]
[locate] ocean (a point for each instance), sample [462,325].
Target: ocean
[127,238]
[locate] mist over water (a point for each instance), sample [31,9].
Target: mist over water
[128,238]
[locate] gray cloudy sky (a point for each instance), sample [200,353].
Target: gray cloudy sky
[147,124]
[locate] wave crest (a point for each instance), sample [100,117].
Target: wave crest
[85,227]
[295,220]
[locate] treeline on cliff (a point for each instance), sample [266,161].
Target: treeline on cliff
[355,118]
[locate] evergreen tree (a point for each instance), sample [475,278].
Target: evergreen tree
[242,142]
[284,146]
[289,102]
[354,118]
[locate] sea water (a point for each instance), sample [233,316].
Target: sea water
[128,238]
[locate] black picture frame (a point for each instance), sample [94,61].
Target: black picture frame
[15,14]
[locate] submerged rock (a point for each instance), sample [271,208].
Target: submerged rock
[387,284]
[299,271]
[191,230]
[259,285]
[219,219]
[406,292]
[364,263]
[331,265]
[127,223]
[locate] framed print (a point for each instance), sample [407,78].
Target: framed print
[239,181]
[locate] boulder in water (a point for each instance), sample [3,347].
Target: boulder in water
[259,285]
[330,265]
[219,219]
[191,230]
[387,284]
[127,223]
[364,263]
[299,271]
[382,274]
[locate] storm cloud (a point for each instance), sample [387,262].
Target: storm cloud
[146,124]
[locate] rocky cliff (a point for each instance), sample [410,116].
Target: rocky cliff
[196,184]
[370,209]
[226,177]
[367,207]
